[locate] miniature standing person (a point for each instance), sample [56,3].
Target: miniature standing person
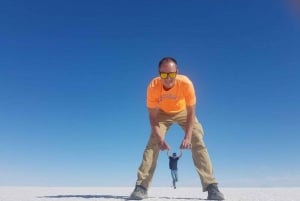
[173,166]
[171,99]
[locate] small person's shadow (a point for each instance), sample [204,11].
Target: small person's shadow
[111,197]
[172,198]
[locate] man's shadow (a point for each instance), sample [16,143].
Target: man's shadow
[112,197]
[86,196]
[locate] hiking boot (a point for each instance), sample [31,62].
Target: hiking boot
[214,193]
[139,193]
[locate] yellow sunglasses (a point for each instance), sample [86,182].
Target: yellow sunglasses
[164,75]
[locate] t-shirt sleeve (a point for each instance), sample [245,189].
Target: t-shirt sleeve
[152,97]
[190,96]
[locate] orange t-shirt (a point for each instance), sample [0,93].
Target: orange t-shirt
[173,100]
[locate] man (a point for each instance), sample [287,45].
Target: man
[173,166]
[171,99]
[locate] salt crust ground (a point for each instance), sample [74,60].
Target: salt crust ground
[155,194]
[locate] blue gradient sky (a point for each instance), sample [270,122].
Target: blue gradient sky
[73,78]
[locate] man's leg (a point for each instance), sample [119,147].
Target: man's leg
[201,157]
[148,164]
[146,170]
[173,176]
[151,153]
[200,154]
[176,175]
[173,173]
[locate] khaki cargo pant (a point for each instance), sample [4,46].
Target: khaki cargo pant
[200,154]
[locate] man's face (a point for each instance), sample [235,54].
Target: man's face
[168,67]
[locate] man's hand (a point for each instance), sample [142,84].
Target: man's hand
[163,145]
[186,144]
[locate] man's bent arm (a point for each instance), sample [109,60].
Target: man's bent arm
[154,123]
[190,119]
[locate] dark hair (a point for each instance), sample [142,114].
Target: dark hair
[166,59]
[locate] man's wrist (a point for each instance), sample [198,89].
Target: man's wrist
[187,136]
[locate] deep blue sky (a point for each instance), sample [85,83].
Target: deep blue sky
[73,78]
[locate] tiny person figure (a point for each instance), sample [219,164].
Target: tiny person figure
[173,166]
